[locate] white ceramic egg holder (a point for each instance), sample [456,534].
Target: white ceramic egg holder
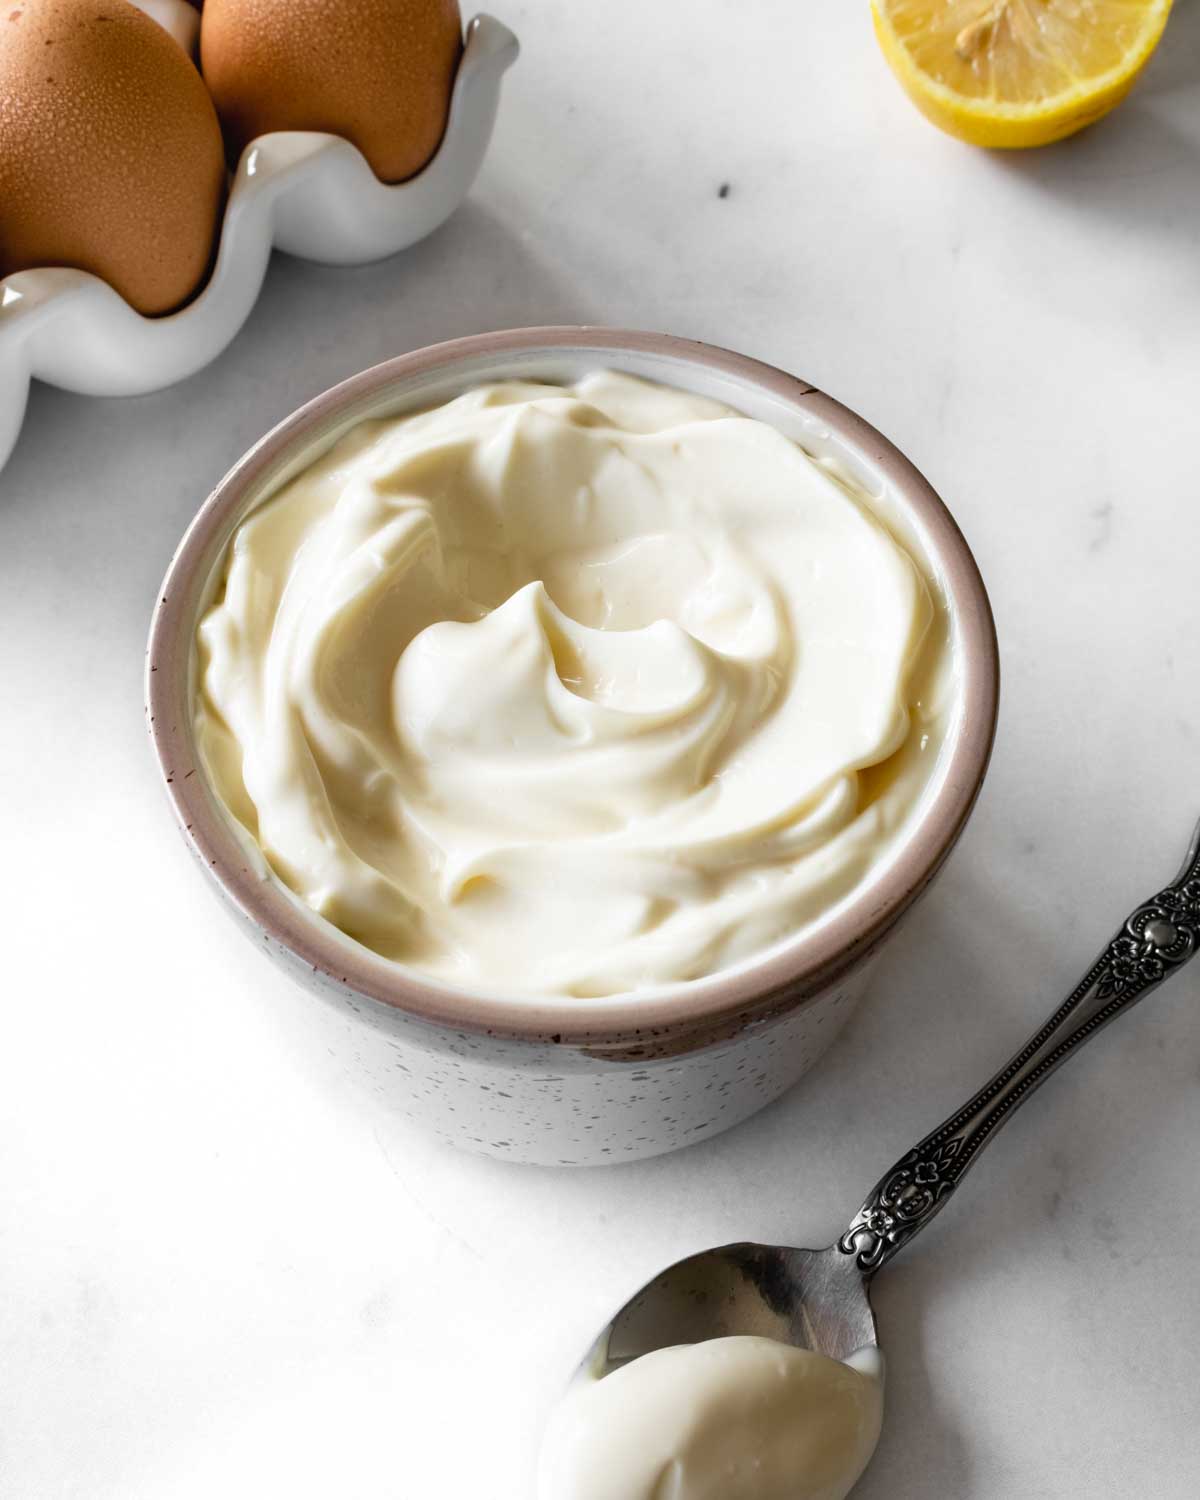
[310,194]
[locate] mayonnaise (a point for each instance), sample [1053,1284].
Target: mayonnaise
[571,691]
[730,1419]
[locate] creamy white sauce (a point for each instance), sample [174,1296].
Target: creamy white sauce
[571,690]
[730,1419]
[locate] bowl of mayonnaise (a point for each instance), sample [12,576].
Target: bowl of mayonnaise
[577,712]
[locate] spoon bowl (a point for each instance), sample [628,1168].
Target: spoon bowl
[812,1299]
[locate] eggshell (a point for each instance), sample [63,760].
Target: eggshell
[378,72]
[111,156]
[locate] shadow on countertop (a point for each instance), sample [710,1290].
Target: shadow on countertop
[1123,170]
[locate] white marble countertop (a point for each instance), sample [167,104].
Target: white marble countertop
[222,1272]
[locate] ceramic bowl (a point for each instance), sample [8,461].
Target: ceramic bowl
[577,1080]
[302,191]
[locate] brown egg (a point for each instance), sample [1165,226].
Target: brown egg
[110,150]
[378,72]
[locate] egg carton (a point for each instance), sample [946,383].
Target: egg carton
[308,193]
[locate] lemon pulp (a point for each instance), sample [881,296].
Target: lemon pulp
[1012,73]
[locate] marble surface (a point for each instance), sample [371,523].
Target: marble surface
[222,1271]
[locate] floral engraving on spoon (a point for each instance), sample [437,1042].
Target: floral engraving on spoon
[1155,939]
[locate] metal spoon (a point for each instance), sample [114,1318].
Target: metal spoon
[818,1299]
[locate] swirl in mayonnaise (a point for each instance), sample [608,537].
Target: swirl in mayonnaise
[571,690]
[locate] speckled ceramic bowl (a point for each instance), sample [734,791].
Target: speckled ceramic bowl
[577,1080]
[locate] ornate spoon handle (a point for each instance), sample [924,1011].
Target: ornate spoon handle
[1157,938]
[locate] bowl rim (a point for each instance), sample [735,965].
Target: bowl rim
[693,1012]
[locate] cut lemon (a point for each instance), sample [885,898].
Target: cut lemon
[1013,73]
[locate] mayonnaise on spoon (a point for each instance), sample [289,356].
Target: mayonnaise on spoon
[743,1418]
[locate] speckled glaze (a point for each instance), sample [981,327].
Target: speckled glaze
[560,1105]
[575,1081]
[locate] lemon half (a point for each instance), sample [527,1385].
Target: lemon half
[1013,73]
